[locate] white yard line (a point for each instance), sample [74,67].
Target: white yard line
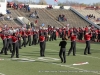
[70,66]
[80,70]
[2,74]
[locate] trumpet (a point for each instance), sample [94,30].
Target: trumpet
[65,37]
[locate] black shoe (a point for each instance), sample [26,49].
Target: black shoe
[89,53]
[17,57]
[43,55]
[6,54]
[1,52]
[64,61]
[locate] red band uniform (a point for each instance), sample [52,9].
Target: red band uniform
[29,37]
[87,37]
[4,49]
[73,44]
[15,46]
[9,42]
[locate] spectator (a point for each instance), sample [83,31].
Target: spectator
[35,12]
[8,12]
[32,15]
[9,17]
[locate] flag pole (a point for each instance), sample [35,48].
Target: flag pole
[54,3]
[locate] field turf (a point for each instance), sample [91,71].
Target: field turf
[30,62]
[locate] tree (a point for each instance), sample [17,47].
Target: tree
[60,4]
[15,1]
[42,2]
[96,4]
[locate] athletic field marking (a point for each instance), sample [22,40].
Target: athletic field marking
[2,74]
[82,63]
[81,70]
[23,59]
[69,66]
[29,59]
[1,59]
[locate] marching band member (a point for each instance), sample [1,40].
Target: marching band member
[4,38]
[42,45]
[24,36]
[73,44]
[15,46]
[9,42]
[87,38]
[29,37]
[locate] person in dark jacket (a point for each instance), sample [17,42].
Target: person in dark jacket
[62,52]
[42,45]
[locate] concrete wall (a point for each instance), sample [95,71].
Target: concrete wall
[3,6]
[45,6]
[23,20]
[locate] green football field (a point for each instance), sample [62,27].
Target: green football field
[30,62]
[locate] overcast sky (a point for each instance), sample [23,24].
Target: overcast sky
[80,1]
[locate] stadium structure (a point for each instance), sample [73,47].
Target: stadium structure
[75,17]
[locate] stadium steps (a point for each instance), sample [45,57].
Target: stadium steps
[98,11]
[52,17]
[15,14]
[51,21]
[26,15]
[1,24]
[43,17]
[13,22]
[72,18]
[87,12]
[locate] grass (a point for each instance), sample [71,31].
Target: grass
[30,62]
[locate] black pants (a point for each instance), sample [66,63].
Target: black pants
[87,47]
[42,48]
[73,47]
[15,49]
[9,44]
[55,37]
[29,40]
[80,36]
[51,38]
[62,55]
[34,42]
[24,41]
[4,49]
[19,42]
